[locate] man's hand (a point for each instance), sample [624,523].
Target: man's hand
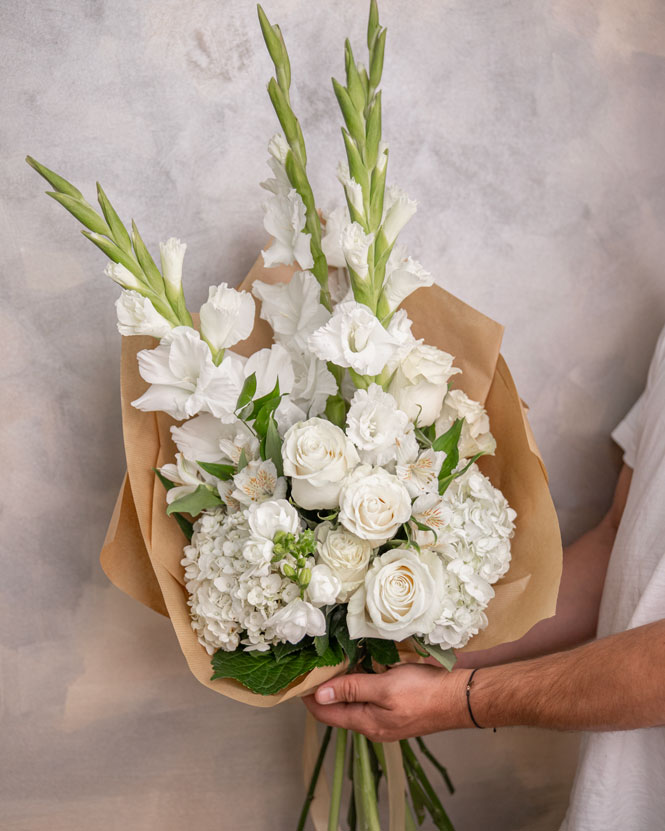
[408,700]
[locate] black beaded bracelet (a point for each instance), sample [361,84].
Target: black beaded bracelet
[468,701]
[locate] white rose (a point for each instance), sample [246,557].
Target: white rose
[137,316]
[373,504]
[317,456]
[324,586]
[475,436]
[401,596]
[227,317]
[375,425]
[421,382]
[346,554]
[297,619]
[265,519]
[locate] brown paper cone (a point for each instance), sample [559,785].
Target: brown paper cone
[141,534]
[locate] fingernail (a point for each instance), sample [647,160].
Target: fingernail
[325,695]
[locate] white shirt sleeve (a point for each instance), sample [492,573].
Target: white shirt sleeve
[628,432]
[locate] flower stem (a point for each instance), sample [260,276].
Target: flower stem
[338,778]
[415,774]
[364,786]
[315,778]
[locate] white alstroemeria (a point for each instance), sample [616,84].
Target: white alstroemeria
[292,309]
[373,504]
[187,477]
[184,380]
[137,316]
[475,436]
[278,149]
[432,510]
[287,414]
[284,219]
[226,317]
[297,619]
[347,555]
[317,456]
[331,242]
[207,439]
[401,596]
[324,586]
[353,337]
[225,490]
[403,276]
[355,246]
[265,519]
[313,383]
[123,277]
[398,209]
[172,254]
[269,366]
[421,382]
[354,192]
[376,425]
[257,482]
[422,475]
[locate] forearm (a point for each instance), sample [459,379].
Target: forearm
[616,683]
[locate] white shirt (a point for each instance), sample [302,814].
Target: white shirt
[620,781]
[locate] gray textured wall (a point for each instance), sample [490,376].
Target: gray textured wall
[532,134]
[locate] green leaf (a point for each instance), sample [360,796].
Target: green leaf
[193,503]
[281,650]
[80,209]
[242,460]
[186,526]
[115,253]
[450,438]
[56,181]
[321,643]
[382,651]
[259,403]
[223,472]
[263,417]
[247,391]
[118,230]
[336,410]
[444,481]
[446,657]
[273,445]
[146,262]
[421,526]
[265,675]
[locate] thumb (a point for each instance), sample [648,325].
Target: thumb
[354,688]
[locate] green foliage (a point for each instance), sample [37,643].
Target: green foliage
[186,526]
[382,651]
[193,503]
[271,446]
[223,472]
[446,657]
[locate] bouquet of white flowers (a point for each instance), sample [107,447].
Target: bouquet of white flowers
[327,484]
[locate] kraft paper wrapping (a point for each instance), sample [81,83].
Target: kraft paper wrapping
[143,548]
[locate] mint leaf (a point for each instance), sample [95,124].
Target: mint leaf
[382,651]
[193,503]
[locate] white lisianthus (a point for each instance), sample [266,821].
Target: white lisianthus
[207,439]
[403,276]
[355,245]
[257,482]
[317,456]
[353,337]
[422,475]
[324,586]
[278,149]
[172,254]
[345,554]
[184,380]
[313,383]
[292,309]
[265,519]
[401,596]
[354,192]
[270,365]
[373,504]
[284,219]
[331,242]
[137,316]
[227,317]
[397,211]
[475,436]
[123,276]
[375,425]
[296,620]
[421,382]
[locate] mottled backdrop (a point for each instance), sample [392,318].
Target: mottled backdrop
[532,132]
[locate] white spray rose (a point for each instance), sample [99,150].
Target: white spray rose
[172,254]
[345,554]
[284,219]
[375,425]
[355,245]
[373,504]
[265,519]
[317,456]
[292,309]
[296,620]
[324,586]
[353,337]
[475,436]
[397,210]
[227,317]
[401,596]
[421,382]
[137,316]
